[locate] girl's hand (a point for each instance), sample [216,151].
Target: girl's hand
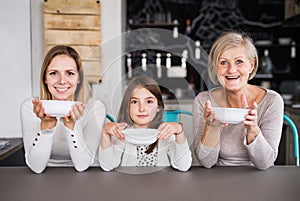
[47,122]
[250,121]
[115,129]
[169,128]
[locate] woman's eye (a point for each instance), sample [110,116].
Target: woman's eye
[52,73]
[239,61]
[70,73]
[223,62]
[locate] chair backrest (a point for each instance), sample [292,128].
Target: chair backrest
[110,118]
[172,115]
[295,135]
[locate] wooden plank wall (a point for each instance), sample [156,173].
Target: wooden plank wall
[75,23]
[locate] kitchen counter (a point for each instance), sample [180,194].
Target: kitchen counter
[217,183]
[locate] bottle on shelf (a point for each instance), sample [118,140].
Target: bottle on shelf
[197,50]
[266,63]
[175,29]
[129,65]
[188,28]
[144,62]
[184,57]
[158,64]
[168,60]
[293,50]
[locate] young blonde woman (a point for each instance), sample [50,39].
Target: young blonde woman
[71,140]
[233,61]
[142,107]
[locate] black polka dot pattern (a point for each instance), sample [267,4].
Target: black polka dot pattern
[143,159]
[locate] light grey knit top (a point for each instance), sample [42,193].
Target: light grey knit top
[233,150]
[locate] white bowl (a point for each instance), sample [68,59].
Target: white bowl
[56,108]
[230,115]
[140,136]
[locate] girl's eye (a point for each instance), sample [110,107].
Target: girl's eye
[133,102]
[149,101]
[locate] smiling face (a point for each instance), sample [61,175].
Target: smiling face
[62,77]
[143,107]
[234,68]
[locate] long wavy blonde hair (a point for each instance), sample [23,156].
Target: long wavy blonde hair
[83,90]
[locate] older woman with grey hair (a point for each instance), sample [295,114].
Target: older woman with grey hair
[233,61]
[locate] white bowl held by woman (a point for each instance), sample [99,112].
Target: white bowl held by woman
[230,115]
[140,136]
[57,108]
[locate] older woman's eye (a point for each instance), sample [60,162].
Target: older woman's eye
[223,62]
[239,61]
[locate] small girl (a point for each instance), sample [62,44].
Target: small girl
[142,107]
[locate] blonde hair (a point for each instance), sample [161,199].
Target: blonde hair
[227,41]
[83,90]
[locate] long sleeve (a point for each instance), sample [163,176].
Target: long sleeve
[207,156]
[180,155]
[55,147]
[233,149]
[37,143]
[110,158]
[263,150]
[84,139]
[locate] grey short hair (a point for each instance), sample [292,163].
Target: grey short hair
[226,41]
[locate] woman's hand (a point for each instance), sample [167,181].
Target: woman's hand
[209,116]
[47,122]
[76,113]
[250,121]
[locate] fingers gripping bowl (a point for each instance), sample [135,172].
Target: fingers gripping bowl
[230,115]
[140,136]
[56,108]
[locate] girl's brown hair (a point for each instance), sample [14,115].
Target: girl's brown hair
[152,86]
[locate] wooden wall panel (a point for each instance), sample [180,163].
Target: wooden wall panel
[75,23]
[84,7]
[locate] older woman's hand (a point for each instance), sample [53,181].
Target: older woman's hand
[250,121]
[209,116]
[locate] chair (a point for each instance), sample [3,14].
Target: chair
[110,118]
[295,134]
[172,115]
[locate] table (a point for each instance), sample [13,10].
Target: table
[280,183]
[15,145]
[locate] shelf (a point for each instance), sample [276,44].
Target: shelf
[263,76]
[154,25]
